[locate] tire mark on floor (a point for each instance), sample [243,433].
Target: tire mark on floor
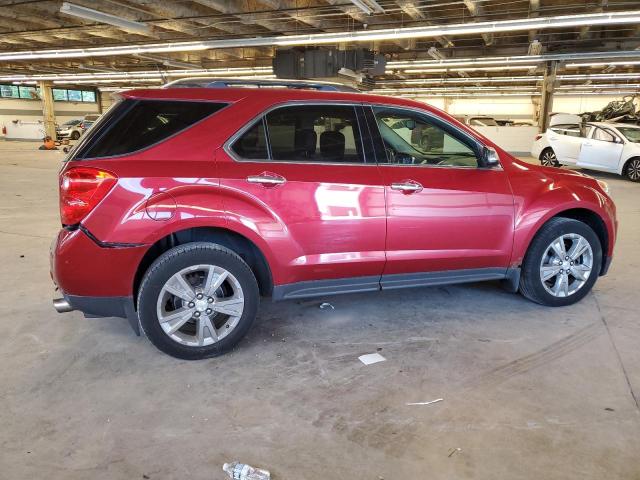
[537,359]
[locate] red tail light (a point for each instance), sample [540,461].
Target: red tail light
[538,137]
[81,189]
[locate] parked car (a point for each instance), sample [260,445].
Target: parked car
[73,129]
[478,121]
[182,206]
[70,129]
[606,147]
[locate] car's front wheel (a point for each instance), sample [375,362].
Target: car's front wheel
[197,300]
[562,263]
[632,170]
[75,135]
[548,158]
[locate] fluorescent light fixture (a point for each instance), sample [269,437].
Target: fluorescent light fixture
[518,59]
[603,64]
[469,69]
[232,71]
[101,17]
[167,62]
[538,23]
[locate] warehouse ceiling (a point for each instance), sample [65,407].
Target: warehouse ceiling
[243,36]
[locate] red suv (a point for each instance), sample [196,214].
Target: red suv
[182,206]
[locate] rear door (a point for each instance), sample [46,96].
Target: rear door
[303,181]
[566,141]
[445,214]
[602,150]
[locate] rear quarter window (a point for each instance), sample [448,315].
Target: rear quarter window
[138,124]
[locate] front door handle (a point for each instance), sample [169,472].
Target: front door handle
[267,179]
[406,186]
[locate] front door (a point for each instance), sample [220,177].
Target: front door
[300,178]
[445,213]
[602,151]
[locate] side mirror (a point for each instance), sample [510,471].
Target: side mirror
[490,158]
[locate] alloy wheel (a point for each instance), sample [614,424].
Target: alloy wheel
[200,305]
[633,170]
[549,159]
[566,265]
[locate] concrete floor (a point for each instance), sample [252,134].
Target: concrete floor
[529,392]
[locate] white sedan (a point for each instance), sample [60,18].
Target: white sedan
[607,147]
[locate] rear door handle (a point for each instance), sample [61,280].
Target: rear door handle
[267,179]
[407,186]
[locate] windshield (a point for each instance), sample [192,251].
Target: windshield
[630,133]
[71,123]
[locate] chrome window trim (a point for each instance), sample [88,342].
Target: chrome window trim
[455,127]
[297,103]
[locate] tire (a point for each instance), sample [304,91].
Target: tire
[542,259]
[75,135]
[194,311]
[632,169]
[548,158]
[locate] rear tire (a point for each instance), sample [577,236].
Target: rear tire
[562,263]
[548,158]
[632,170]
[197,301]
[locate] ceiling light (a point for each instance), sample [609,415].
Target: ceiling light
[611,18]
[469,69]
[602,64]
[101,17]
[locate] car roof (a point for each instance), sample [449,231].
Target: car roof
[615,124]
[276,95]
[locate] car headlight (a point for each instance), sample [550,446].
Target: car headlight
[604,186]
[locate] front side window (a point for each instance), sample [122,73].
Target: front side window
[138,124]
[413,139]
[603,135]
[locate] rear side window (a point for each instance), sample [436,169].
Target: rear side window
[138,124]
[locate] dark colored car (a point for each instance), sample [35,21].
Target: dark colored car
[183,206]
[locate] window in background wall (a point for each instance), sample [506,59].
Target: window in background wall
[88,96]
[74,95]
[59,95]
[9,91]
[29,93]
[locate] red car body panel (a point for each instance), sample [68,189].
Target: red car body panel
[328,221]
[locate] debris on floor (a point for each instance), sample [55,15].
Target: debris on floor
[326,306]
[454,450]
[242,471]
[371,358]
[427,403]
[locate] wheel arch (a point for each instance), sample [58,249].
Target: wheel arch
[625,164]
[586,216]
[234,241]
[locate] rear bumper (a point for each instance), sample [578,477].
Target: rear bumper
[82,266]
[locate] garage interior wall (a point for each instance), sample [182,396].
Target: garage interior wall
[31,111]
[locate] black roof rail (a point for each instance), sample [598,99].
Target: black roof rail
[216,82]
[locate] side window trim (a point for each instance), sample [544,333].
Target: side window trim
[262,116]
[450,129]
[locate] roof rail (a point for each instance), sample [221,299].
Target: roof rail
[216,82]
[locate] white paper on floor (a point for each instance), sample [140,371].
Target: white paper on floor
[371,358]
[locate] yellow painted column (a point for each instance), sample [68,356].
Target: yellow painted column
[48,114]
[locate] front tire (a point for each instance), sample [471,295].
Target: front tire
[75,135]
[562,263]
[632,170]
[548,158]
[197,301]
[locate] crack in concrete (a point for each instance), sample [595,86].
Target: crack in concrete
[615,348]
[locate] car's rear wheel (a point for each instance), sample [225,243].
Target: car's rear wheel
[632,170]
[197,300]
[548,158]
[75,135]
[562,263]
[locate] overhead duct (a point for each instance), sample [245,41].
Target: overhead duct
[361,64]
